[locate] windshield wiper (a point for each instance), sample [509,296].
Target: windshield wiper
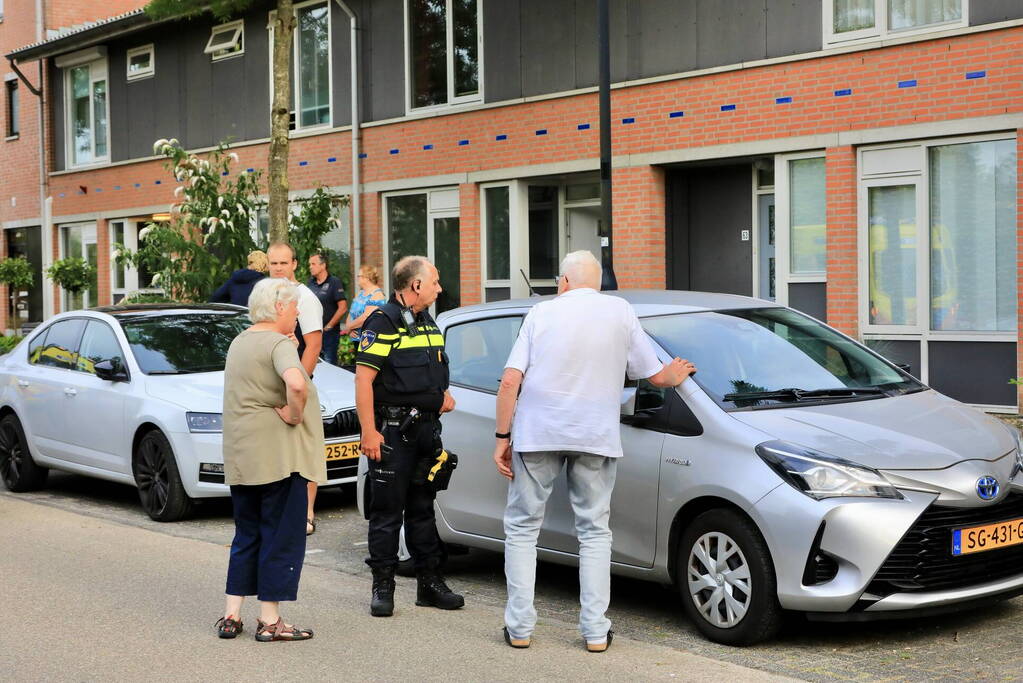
[795,394]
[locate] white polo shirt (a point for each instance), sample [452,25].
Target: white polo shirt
[310,310]
[575,351]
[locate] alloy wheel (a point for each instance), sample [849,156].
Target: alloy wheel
[719,579]
[151,476]
[10,455]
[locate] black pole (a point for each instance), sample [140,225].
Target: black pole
[607,279]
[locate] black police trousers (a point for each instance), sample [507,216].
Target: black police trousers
[394,498]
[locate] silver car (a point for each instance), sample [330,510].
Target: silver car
[797,470]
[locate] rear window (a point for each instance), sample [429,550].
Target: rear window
[60,350]
[183,344]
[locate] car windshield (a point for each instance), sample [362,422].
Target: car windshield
[775,357]
[183,344]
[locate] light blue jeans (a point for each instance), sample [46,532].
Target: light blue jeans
[590,481]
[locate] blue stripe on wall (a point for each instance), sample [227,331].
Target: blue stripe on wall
[783,100]
[970,75]
[583,126]
[908,84]
[676,114]
[500,137]
[843,93]
[727,107]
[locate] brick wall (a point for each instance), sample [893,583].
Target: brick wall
[63,14]
[469,225]
[638,222]
[842,287]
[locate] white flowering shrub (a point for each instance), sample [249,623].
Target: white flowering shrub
[210,231]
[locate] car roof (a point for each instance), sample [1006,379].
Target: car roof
[646,302]
[160,310]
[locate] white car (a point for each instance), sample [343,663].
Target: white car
[134,394]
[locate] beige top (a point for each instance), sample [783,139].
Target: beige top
[259,447]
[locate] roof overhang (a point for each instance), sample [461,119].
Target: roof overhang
[84,36]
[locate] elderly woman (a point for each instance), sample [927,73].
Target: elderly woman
[369,298]
[273,446]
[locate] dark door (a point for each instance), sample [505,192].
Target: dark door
[709,229]
[26,304]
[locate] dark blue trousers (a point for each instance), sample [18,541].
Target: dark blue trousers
[269,539]
[331,340]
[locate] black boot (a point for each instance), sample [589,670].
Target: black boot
[382,604]
[431,591]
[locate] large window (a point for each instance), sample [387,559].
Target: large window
[477,351]
[807,217]
[443,51]
[846,20]
[87,112]
[938,252]
[13,108]
[427,224]
[79,241]
[310,98]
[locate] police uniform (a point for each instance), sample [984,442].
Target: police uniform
[408,391]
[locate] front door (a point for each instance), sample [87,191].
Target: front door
[79,241]
[582,228]
[710,229]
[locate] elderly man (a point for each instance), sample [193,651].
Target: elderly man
[309,333]
[570,359]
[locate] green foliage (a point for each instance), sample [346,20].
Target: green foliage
[72,274]
[221,9]
[209,234]
[317,216]
[16,272]
[7,343]
[146,298]
[346,351]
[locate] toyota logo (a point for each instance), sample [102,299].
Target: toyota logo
[987,488]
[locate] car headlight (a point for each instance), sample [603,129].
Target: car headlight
[821,476]
[205,423]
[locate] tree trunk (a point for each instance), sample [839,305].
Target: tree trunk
[284,29]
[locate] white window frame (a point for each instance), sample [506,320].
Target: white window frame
[783,276]
[449,28]
[432,213]
[295,112]
[518,240]
[98,71]
[131,275]
[149,71]
[89,236]
[880,30]
[222,49]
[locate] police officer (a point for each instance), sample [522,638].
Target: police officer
[401,382]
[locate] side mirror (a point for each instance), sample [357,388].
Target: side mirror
[628,408]
[111,370]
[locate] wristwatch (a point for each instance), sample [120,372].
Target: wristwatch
[499,435]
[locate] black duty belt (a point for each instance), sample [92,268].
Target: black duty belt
[402,412]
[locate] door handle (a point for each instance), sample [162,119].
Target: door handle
[22,383]
[68,391]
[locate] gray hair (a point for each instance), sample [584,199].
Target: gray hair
[582,269]
[406,270]
[266,294]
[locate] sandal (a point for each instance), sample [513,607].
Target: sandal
[228,627]
[280,631]
[310,526]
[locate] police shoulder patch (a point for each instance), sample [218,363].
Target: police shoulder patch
[368,337]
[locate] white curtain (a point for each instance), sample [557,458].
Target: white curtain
[853,15]
[904,14]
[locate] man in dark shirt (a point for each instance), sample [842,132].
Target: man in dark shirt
[331,293]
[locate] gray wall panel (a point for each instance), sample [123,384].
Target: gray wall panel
[587,66]
[730,31]
[662,37]
[974,372]
[386,87]
[339,64]
[168,100]
[793,27]
[228,99]
[143,100]
[254,120]
[119,115]
[548,46]
[991,11]
[899,352]
[196,87]
[810,298]
[502,60]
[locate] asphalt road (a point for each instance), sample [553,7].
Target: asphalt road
[975,646]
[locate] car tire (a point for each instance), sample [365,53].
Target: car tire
[735,603]
[18,470]
[156,476]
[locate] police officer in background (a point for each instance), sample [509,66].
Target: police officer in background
[401,389]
